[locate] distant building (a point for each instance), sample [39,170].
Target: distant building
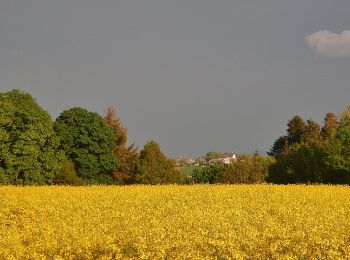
[226,158]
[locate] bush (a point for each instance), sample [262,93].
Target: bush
[67,174]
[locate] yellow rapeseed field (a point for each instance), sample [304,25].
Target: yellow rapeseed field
[175,222]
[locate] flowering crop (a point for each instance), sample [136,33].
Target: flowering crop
[182,222]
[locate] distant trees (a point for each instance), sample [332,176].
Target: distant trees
[248,169]
[88,142]
[29,151]
[81,147]
[313,154]
[155,168]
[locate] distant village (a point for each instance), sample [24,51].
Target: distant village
[210,158]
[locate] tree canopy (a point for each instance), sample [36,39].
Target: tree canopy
[88,142]
[155,168]
[28,145]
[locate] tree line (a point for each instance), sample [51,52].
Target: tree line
[81,147]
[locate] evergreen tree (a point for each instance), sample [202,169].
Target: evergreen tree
[280,146]
[296,128]
[330,126]
[312,132]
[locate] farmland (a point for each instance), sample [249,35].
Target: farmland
[153,222]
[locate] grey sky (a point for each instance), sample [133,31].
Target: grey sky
[195,75]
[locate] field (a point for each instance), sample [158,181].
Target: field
[157,222]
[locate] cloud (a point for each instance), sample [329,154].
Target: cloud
[330,44]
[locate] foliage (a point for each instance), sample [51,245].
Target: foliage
[305,154]
[28,145]
[175,222]
[279,147]
[304,163]
[345,116]
[312,132]
[155,168]
[209,174]
[338,156]
[330,126]
[66,174]
[295,130]
[248,169]
[87,141]
[213,155]
[127,156]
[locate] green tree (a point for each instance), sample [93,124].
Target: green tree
[304,163]
[29,151]
[155,168]
[249,169]
[66,174]
[345,116]
[338,156]
[280,146]
[209,174]
[87,141]
[330,126]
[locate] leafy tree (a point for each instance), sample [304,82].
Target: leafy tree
[209,174]
[66,174]
[87,141]
[127,156]
[338,156]
[249,169]
[345,116]
[155,168]
[296,128]
[304,163]
[28,145]
[330,126]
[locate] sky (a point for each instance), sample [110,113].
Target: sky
[193,75]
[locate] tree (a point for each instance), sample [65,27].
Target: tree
[127,156]
[345,116]
[330,126]
[296,128]
[29,151]
[312,132]
[338,156]
[280,146]
[249,169]
[87,141]
[213,155]
[209,174]
[304,163]
[66,174]
[155,168]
